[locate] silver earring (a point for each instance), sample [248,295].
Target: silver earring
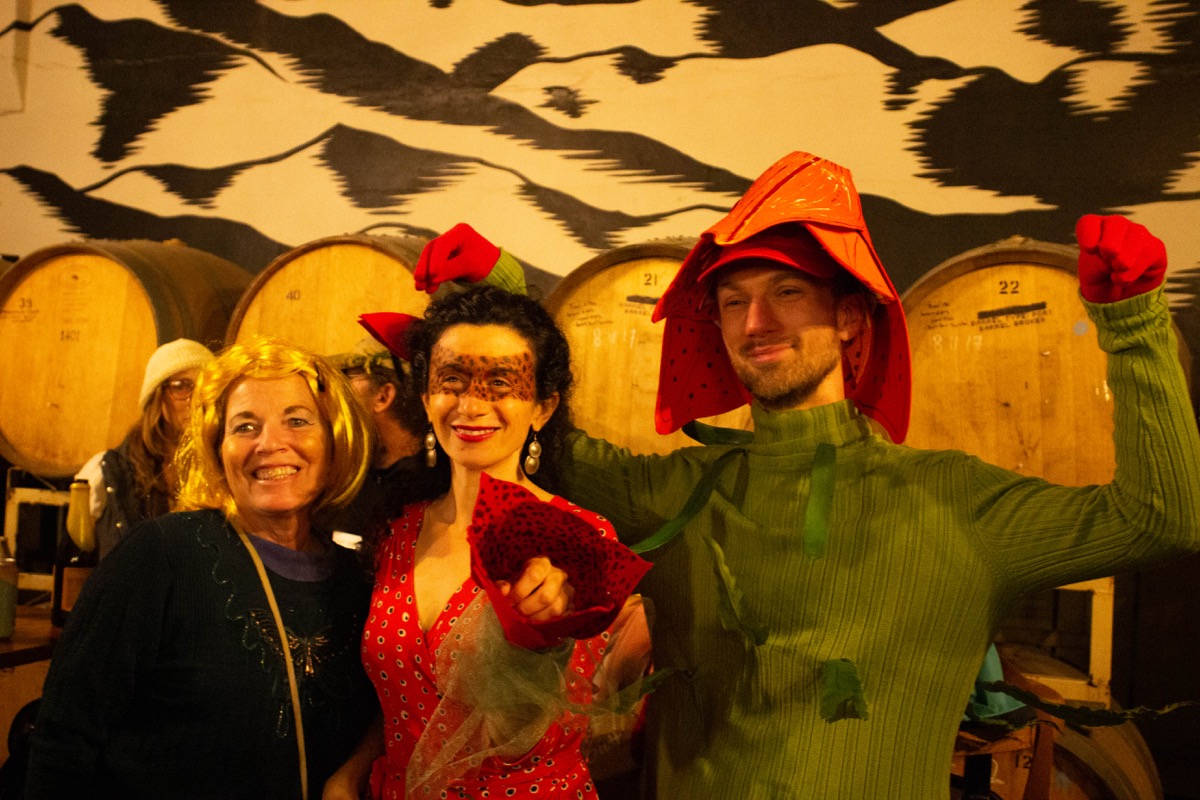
[533,461]
[430,449]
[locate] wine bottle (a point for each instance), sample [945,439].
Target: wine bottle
[8,590]
[76,554]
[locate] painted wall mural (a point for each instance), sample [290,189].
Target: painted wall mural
[566,128]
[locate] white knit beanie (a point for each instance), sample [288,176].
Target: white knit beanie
[168,359]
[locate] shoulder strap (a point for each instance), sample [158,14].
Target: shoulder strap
[287,658]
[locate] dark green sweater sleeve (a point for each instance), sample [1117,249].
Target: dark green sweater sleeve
[636,493]
[1039,535]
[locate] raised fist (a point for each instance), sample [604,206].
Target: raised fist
[459,254]
[1118,259]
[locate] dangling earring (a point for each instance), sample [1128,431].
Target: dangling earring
[533,461]
[430,448]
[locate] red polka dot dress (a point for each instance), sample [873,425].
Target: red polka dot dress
[401,661]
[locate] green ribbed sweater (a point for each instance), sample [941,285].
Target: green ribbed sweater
[926,552]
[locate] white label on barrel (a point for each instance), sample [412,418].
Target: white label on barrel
[938,315]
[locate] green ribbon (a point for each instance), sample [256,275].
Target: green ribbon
[732,609]
[820,496]
[1081,715]
[625,700]
[711,434]
[820,500]
[696,501]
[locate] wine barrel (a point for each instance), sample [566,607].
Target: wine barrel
[314,293]
[604,308]
[1105,764]
[78,322]
[1007,365]
[1110,763]
[1096,763]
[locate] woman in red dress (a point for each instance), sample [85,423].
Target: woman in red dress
[466,712]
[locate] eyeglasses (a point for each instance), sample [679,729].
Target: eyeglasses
[179,388]
[354,372]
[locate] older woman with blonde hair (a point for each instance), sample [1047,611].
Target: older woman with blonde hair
[216,652]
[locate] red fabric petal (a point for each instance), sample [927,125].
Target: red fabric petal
[510,525]
[695,376]
[799,187]
[389,328]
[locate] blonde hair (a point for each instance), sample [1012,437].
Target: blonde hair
[202,481]
[151,444]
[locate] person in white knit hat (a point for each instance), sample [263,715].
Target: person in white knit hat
[136,480]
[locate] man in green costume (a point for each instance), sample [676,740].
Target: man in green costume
[827,605]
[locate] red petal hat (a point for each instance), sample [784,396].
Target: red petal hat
[510,525]
[696,378]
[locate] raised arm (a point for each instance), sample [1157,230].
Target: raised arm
[1045,536]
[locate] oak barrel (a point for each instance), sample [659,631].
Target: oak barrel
[1007,364]
[78,322]
[314,293]
[1110,763]
[604,308]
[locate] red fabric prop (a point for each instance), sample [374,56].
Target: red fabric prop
[511,525]
[459,254]
[389,328]
[696,378]
[1118,259]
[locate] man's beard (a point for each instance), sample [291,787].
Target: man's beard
[782,387]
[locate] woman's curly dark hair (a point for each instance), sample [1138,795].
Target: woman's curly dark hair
[483,304]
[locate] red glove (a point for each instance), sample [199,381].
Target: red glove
[1118,259]
[459,254]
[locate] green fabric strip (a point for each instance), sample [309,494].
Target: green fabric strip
[711,434]
[696,501]
[1082,715]
[626,700]
[732,610]
[842,694]
[820,500]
